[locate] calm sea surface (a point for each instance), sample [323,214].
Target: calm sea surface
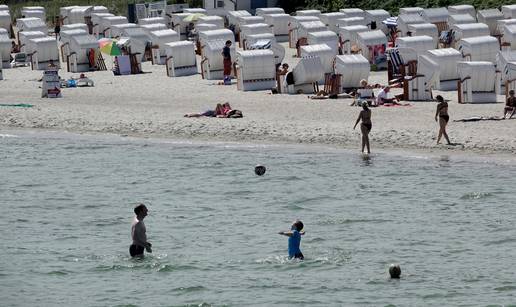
[67,207]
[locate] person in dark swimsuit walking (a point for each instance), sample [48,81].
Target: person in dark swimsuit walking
[442,113]
[365,126]
[510,105]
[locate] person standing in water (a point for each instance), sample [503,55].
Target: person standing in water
[365,126]
[294,239]
[442,113]
[138,233]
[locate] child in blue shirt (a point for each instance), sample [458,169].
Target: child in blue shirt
[294,239]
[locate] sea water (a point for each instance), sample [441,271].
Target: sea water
[67,202]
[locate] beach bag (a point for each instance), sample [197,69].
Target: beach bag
[227,80]
[290,78]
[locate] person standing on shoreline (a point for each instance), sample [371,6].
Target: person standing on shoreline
[442,113]
[365,126]
[138,233]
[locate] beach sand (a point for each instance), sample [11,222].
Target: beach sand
[153,105]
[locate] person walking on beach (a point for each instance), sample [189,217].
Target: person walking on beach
[57,28]
[138,233]
[294,239]
[365,126]
[442,113]
[510,105]
[226,55]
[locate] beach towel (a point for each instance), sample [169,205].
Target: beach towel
[478,118]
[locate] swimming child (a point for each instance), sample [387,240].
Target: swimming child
[294,239]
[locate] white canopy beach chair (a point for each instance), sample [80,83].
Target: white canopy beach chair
[420,44]
[306,74]
[477,82]
[330,20]
[257,28]
[316,13]
[181,59]
[195,10]
[64,13]
[179,24]
[31,24]
[152,20]
[137,43]
[503,58]
[44,52]
[259,42]
[500,25]
[79,14]
[213,35]
[348,37]
[437,16]
[279,24]
[5,21]
[418,87]
[256,70]
[353,68]
[200,27]
[151,27]
[447,59]
[34,11]
[64,39]
[467,30]
[404,20]
[463,9]
[411,10]
[212,66]
[233,16]
[117,30]
[5,51]
[351,21]
[263,11]
[293,27]
[73,26]
[377,16]
[490,17]
[509,11]
[304,29]
[83,49]
[24,39]
[509,37]
[482,48]
[96,20]
[373,45]
[353,12]
[247,20]
[108,21]
[428,29]
[159,40]
[329,38]
[215,20]
[455,19]
[325,53]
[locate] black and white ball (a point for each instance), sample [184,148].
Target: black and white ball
[259,170]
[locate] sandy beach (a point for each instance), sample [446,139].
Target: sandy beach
[152,104]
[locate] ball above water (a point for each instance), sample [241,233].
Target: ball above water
[259,170]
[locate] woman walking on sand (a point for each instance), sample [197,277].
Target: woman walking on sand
[442,113]
[365,126]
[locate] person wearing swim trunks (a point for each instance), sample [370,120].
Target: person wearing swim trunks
[510,105]
[138,233]
[442,114]
[226,55]
[294,240]
[365,126]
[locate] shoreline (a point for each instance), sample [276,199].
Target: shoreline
[153,105]
[412,153]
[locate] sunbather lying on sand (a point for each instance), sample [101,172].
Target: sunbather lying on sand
[218,112]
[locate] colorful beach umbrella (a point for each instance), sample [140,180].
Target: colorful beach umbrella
[109,47]
[193,17]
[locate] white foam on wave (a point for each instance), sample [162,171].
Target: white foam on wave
[4,136]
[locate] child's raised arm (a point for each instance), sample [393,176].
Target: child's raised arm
[286,233]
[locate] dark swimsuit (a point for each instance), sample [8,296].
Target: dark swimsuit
[445,117]
[368,126]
